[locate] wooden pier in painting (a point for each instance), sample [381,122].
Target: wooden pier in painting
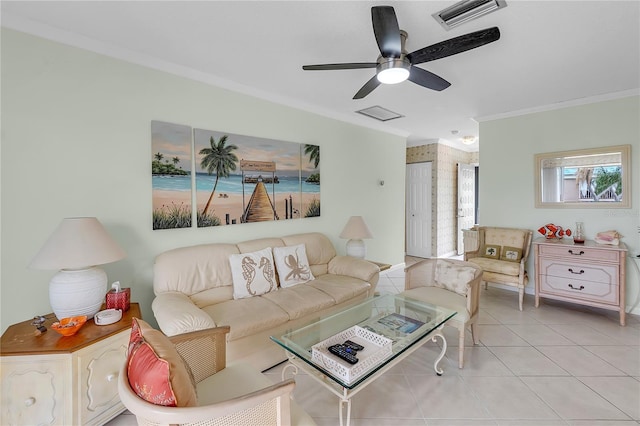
[265,179]
[260,208]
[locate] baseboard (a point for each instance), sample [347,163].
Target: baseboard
[532,291]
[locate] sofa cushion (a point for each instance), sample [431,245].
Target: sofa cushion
[156,372]
[300,300]
[340,287]
[247,316]
[190,270]
[292,265]
[453,277]
[259,244]
[497,266]
[319,248]
[511,254]
[253,273]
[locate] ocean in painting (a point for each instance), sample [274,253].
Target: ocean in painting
[231,185]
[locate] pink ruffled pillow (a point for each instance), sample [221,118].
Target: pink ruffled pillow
[156,371]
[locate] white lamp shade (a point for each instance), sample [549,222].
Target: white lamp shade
[356,228]
[77,243]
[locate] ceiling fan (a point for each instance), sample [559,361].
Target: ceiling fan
[395,65]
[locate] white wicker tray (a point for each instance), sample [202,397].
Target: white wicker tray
[376,348]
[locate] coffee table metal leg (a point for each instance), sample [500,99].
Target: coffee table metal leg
[345,400]
[438,333]
[294,368]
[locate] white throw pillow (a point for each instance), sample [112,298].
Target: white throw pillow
[292,264]
[253,273]
[453,277]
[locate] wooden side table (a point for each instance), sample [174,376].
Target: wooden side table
[382,266]
[55,380]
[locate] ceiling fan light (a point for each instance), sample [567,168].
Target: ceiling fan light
[393,75]
[468,140]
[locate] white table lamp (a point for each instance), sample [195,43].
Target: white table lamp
[76,247]
[356,230]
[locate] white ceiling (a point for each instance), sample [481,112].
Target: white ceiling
[551,53]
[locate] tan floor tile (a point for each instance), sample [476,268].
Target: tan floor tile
[572,399]
[579,362]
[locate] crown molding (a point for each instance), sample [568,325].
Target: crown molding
[561,105]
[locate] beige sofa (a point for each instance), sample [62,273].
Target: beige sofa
[512,250]
[194,291]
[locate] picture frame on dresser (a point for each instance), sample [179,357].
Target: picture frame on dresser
[589,274]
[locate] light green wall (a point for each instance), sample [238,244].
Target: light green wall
[507,171]
[76,142]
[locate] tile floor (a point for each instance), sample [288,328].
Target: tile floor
[559,364]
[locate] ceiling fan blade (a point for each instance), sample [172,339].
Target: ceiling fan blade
[387,31]
[427,79]
[345,66]
[367,88]
[454,46]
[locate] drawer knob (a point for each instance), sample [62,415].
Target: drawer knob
[576,254]
[577,273]
[576,288]
[111,377]
[29,402]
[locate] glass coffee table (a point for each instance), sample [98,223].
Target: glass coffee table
[379,332]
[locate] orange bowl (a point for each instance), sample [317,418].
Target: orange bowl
[69,326]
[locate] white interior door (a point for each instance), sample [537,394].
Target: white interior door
[466,200]
[418,208]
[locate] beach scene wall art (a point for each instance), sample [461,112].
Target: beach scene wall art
[171,160]
[244,179]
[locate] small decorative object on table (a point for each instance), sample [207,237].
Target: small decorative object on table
[118,298]
[554,231]
[578,237]
[69,326]
[38,323]
[611,238]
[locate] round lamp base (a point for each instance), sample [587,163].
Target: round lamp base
[356,248]
[77,292]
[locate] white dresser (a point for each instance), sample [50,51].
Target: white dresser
[589,274]
[55,380]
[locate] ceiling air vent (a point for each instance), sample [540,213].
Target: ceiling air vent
[380,113]
[465,11]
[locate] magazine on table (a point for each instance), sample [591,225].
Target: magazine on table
[394,325]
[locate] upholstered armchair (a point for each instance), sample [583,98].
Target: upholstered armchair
[502,254]
[451,283]
[189,371]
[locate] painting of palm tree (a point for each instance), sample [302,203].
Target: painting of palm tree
[313,207]
[241,179]
[172,207]
[217,159]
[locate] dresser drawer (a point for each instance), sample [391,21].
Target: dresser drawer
[580,252]
[607,293]
[578,271]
